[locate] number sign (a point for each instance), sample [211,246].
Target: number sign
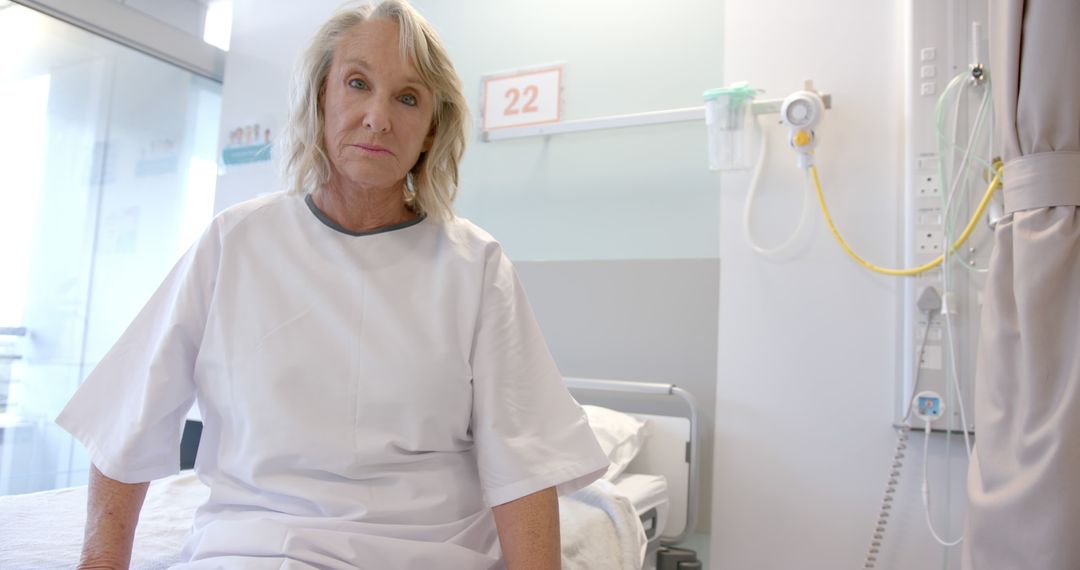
[519,99]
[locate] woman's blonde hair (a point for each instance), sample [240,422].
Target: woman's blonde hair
[431,184]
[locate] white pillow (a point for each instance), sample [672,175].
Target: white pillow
[621,436]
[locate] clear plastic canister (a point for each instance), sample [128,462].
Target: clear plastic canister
[729,119]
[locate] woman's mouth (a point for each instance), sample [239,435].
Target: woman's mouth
[373,149]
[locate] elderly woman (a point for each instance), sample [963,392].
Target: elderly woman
[374,388]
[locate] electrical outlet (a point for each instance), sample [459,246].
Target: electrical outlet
[928,185]
[928,241]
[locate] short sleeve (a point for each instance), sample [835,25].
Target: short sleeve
[529,432]
[130,410]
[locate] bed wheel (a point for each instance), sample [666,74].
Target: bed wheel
[670,558]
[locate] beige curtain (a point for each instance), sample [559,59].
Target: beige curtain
[1024,480]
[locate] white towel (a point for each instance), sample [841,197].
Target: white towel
[600,530]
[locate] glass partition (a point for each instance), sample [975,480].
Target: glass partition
[107,174]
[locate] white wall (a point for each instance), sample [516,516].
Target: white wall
[807,348]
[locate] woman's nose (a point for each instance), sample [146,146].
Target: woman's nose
[377,118]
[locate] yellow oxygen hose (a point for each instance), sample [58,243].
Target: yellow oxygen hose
[994,185]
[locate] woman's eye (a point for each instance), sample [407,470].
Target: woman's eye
[409,100]
[357,84]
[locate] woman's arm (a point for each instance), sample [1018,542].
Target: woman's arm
[529,531]
[112,511]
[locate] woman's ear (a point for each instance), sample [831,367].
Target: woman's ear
[429,139]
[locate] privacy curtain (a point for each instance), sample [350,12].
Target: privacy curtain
[1024,479]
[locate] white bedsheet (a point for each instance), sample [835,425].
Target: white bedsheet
[646,492]
[43,531]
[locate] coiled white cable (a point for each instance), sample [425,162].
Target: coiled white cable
[748,207]
[886,502]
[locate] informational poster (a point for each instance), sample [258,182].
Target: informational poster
[247,143]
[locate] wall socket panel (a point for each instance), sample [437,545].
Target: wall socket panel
[939,44]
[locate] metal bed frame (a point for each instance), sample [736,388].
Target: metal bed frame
[692,454]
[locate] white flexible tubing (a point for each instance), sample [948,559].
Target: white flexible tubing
[926,492]
[952,144]
[962,171]
[748,208]
[945,273]
[952,147]
[945,309]
[956,385]
[955,124]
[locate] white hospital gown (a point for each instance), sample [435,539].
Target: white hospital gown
[366,398]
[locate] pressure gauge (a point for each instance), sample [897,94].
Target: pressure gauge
[801,112]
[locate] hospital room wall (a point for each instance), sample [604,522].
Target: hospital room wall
[614,233]
[808,347]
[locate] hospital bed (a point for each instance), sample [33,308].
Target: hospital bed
[614,524]
[662,481]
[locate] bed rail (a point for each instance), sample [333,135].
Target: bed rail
[660,389]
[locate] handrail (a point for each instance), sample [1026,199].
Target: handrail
[683,115]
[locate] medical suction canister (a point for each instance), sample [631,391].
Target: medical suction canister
[800,112]
[728,117]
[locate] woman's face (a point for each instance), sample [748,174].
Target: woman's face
[376,112]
